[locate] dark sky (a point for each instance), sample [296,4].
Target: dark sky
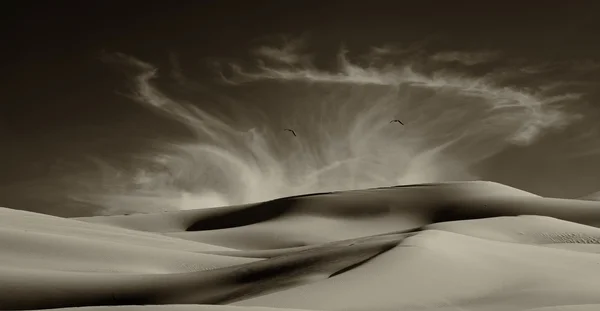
[60,103]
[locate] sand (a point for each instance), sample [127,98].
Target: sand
[445,246]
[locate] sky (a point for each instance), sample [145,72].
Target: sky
[111,107]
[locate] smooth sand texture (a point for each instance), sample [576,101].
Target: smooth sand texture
[448,246]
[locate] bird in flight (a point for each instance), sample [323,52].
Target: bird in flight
[290,131]
[397,121]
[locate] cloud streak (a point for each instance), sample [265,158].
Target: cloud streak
[453,120]
[539,112]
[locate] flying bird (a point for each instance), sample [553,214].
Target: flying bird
[397,121]
[290,131]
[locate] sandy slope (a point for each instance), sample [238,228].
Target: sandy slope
[449,246]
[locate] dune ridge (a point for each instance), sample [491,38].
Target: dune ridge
[444,246]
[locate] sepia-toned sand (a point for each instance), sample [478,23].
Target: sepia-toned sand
[446,246]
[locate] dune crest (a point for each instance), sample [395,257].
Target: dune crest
[444,246]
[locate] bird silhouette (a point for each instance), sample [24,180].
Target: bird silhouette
[293,132]
[396,120]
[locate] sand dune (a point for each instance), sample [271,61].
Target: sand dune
[446,246]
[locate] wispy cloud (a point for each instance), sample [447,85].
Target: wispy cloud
[537,111]
[453,120]
[289,53]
